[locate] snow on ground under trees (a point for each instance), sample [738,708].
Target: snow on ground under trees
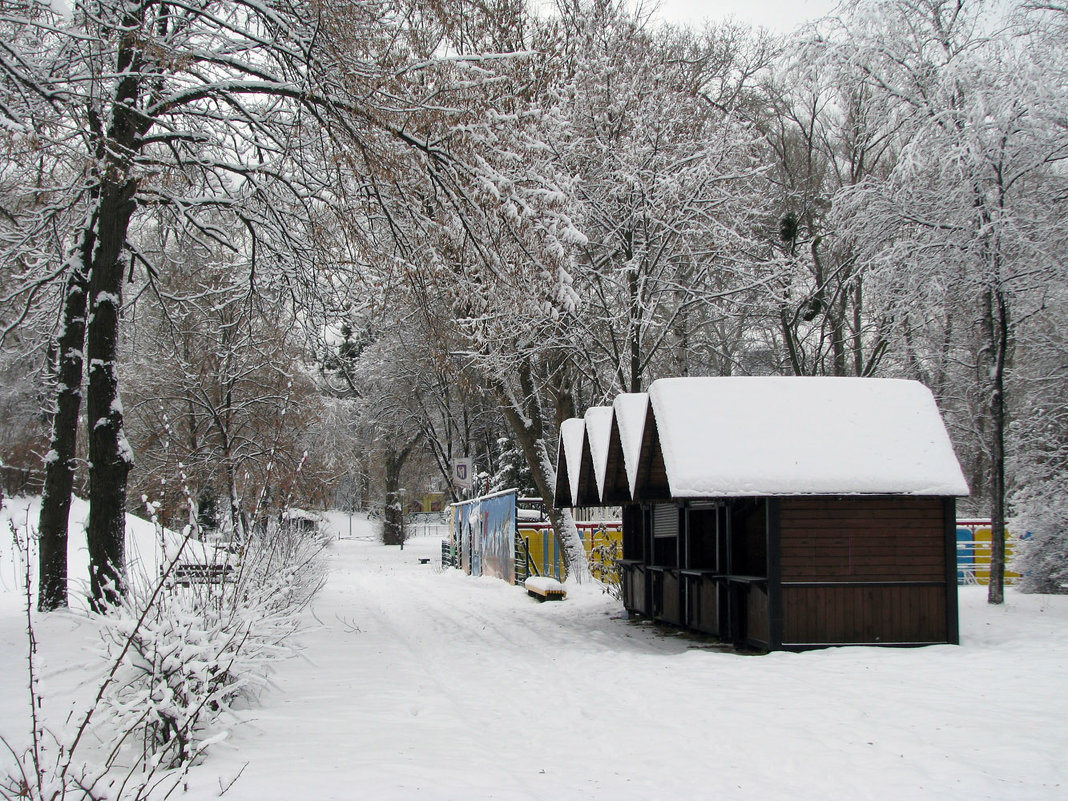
[417,683]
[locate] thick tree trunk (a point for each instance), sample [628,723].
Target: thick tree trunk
[60,462]
[394,531]
[575,561]
[110,456]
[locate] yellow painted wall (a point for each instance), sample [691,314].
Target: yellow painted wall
[981,552]
[603,543]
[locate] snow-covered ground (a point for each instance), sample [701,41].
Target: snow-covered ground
[414,683]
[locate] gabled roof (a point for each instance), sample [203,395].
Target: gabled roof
[630,410]
[736,437]
[624,446]
[569,460]
[723,437]
[598,421]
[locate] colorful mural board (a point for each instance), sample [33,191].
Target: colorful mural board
[483,536]
[483,529]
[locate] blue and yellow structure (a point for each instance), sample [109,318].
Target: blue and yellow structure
[974,539]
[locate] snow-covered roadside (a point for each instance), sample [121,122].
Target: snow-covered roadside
[143,549]
[418,683]
[70,650]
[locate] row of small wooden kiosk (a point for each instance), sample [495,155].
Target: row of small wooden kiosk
[778,513]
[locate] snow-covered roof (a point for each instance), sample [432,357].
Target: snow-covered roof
[572,433]
[630,410]
[758,436]
[598,421]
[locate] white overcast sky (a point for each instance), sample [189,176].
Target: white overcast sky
[780,16]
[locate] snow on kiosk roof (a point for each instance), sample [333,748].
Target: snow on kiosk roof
[757,436]
[572,438]
[607,439]
[598,420]
[630,410]
[582,456]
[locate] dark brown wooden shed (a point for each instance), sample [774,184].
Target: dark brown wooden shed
[781,513]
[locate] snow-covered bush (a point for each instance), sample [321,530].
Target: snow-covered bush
[204,646]
[180,657]
[1040,448]
[1042,558]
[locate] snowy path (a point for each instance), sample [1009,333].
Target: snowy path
[416,683]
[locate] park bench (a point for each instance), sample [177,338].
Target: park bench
[544,588]
[187,574]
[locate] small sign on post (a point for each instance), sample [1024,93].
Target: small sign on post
[462,473]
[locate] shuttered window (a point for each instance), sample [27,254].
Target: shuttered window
[665,520]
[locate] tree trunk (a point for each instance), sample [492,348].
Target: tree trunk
[859,368]
[996,329]
[394,531]
[634,334]
[526,426]
[60,463]
[790,340]
[537,455]
[110,456]
[833,309]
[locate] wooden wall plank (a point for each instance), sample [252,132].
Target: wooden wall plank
[852,614]
[864,539]
[757,614]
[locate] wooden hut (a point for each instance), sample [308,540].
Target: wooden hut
[783,513]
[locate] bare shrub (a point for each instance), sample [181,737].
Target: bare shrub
[182,655]
[208,641]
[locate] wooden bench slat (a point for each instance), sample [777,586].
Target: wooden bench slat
[189,573]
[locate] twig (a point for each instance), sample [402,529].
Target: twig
[224,790]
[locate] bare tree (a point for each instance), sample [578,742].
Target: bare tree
[172,107]
[217,394]
[669,195]
[825,131]
[975,201]
[188,112]
[483,253]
